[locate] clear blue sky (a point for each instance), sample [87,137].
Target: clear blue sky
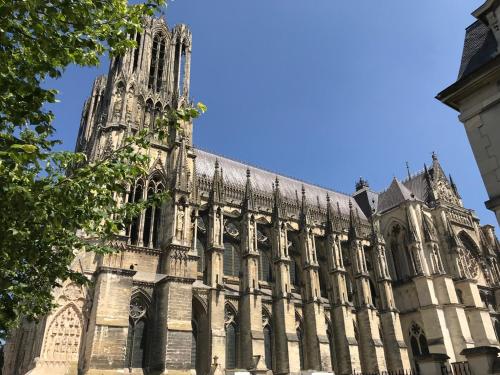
[322,90]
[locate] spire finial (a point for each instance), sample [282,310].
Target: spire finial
[408,170]
[216,163]
[277,182]
[248,172]
[327,198]
[434,156]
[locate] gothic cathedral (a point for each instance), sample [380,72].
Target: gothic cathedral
[247,270]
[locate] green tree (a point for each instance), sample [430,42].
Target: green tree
[47,197]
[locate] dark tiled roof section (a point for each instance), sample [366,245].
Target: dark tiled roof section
[418,186]
[234,173]
[367,200]
[396,194]
[479,47]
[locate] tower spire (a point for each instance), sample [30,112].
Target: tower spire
[303,207]
[217,192]
[353,230]
[248,200]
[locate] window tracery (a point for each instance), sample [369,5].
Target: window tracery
[418,341]
[64,335]
[157,64]
[231,326]
[137,330]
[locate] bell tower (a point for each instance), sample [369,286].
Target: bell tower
[140,86]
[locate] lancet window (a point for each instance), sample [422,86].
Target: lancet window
[331,341]
[418,341]
[135,56]
[401,264]
[265,265]
[135,195]
[180,54]
[231,324]
[153,214]
[200,243]
[157,64]
[300,337]
[137,332]
[194,343]
[231,259]
[268,340]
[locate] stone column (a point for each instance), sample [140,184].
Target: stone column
[317,355]
[480,324]
[109,321]
[216,295]
[346,346]
[372,348]
[396,349]
[250,311]
[286,343]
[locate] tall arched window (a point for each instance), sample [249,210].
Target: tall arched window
[331,342]
[135,195]
[231,259]
[157,64]
[137,330]
[194,343]
[265,269]
[153,214]
[418,341]
[496,326]
[135,59]
[268,339]
[268,346]
[404,266]
[300,337]
[200,250]
[231,325]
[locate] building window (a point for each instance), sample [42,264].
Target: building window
[231,325]
[268,346]
[331,342]
[194,343]
[418,341]
[299,330]
[200,251]
[153,214]
[136,52]
[135,195]
[231,260]
[137,329]
[157,63]
[265,269]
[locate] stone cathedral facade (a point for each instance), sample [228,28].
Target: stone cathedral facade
[247,269]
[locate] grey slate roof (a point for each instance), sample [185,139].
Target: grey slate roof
[480,46]
[234,173]
[393,196]
[418,186]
